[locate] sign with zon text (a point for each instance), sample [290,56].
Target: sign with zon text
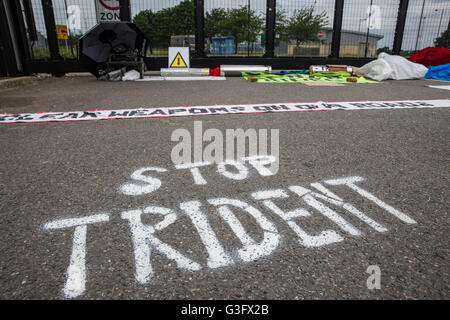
[107,10]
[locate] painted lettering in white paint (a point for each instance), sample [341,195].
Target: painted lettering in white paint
[307,240]
[144,240]
[194,168]
[251,250]
[144,235]
[76,272]
[350,182]
[217,257]
[146,184]
[335,200]
[240,175]
[265,165]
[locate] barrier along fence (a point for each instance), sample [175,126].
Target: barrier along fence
[42,35]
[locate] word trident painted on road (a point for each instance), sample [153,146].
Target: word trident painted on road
[316,198]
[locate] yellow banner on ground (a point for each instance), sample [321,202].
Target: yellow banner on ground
[290,78]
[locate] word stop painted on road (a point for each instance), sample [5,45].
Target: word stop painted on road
[316,199]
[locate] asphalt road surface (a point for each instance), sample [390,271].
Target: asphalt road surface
[179,239]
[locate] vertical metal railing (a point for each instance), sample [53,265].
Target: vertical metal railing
[270,28]
[337,27]
[400,27]
[50,25]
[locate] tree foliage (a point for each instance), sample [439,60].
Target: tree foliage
[241,23]
[281,22]
[384,49]
[304,25]
[160,26]
[444,40]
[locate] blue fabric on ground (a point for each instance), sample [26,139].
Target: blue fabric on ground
[280,73]
[441,72]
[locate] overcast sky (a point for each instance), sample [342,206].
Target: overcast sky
[356,13]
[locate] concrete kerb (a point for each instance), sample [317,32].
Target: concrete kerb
[17,82]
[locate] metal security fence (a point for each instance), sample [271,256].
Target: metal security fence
[284,33]
[427,24]
[235,27]
[320,44]
[166,23]
[368,27]
[77,15]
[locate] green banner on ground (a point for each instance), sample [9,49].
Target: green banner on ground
[290,78]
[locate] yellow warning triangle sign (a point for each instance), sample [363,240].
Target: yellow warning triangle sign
[178,62]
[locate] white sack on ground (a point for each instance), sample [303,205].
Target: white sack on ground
[131,75]
[392,67]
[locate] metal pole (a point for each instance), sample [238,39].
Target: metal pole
[32,32]
[400,27]
[50,25]
[420,24]
[68,31]
[125,12]
[440,21]
[337,26]
[368,28]
[199,16]
[8,63]
[448,33]
[248,29]
[359,26]
[270,28]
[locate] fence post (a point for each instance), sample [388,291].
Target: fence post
[199,17]
[125,10]
[20,31]
[28,8]
[400,27]
[270,28]
[8,66]
[448,33]
[337,26]
[50,25]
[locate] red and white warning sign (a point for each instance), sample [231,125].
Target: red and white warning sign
[107,10]
[321,35]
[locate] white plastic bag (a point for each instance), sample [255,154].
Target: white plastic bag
[403,68]
[131,75]
[377,70]
[392,67]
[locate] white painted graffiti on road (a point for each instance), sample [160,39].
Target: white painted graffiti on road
[317,198]
[152,112]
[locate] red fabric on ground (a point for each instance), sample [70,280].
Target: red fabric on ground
[431,56]
[215,72]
